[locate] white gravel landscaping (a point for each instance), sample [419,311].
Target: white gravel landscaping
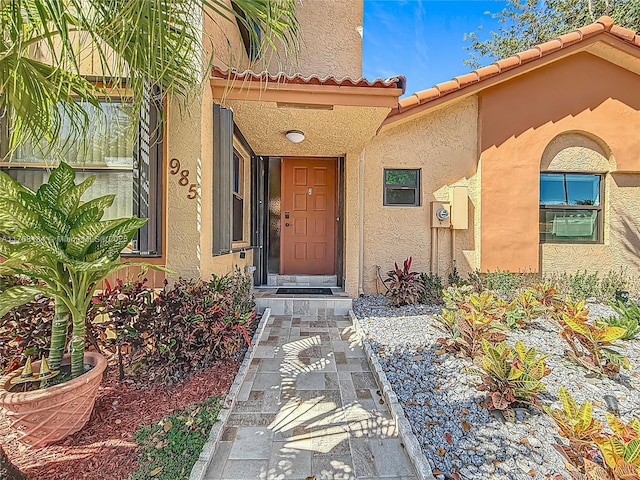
[441,402]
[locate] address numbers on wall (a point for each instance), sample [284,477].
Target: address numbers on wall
[183,179]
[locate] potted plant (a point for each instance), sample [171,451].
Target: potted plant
[65,246]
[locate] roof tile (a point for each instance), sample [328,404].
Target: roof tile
[592,29]
[428,94]
[446,87]
[550,46]
[528,55]
[604,24]
[265,77]
[488,71]
[570,38]
[467,79]
[406,103]
[507,63]
[625,33]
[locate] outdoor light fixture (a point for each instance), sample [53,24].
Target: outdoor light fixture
[295,136]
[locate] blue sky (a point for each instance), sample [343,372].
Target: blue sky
[421,39]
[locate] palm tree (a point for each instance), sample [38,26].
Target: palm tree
[136,43]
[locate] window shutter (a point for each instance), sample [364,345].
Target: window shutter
[147,173]
[222,179]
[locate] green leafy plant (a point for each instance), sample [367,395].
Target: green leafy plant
[628,318]
[510,375]
[25,332]
[621,449]
[161,337]
[405,286]
[455,280]
[523,309]
[583,284]
[170,447]
[468,318]
[432,289]
[591,344]
[589,443]
[52,236]
[545,294]
[577,425]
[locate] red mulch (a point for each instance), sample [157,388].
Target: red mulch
[104,449]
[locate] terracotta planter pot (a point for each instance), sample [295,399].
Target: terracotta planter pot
[46,416]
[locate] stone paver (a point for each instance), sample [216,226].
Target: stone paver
[309,407]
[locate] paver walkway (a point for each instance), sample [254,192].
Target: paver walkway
[309,407]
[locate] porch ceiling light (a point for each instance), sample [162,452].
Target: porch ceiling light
[295,136]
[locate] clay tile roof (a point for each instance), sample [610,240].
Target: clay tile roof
[602,25]
[266,77]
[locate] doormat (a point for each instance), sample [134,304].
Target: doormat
[304,291]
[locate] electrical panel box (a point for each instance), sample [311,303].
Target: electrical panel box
[440,214]
[459,200]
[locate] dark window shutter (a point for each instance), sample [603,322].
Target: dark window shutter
[222,179]
[147,173]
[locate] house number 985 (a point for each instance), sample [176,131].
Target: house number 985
[183,181]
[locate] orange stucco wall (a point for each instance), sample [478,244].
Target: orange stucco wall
[518,119]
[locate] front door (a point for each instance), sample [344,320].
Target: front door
[308,216]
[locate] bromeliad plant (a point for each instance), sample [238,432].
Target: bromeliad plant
[53,237]
[405,286]
[510,375]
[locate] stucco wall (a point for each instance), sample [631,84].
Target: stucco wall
[443,144]
[330,41]
[520,119]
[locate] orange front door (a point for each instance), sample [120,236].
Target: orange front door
[308,216]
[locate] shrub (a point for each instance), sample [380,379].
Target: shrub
[510,375]
[523,309]
[405,286]
[162,337]
[433,287]
[468,319]
[504,282]
[621,449]
[455,280]
[591,343]
[589,285]
[628,318]
[24,330]
[589,444]
[579,427]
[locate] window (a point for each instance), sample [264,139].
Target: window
[402,187]
[238,202]
[125,164]
[570,208]
[251,42]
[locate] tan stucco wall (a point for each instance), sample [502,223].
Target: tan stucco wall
[443,144]
[222,35]
[351,239]
[520,119]
[330,40]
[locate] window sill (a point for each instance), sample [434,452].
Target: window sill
[140,255]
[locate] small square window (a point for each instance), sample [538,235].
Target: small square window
[402,187]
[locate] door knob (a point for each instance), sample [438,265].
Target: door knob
[286,224]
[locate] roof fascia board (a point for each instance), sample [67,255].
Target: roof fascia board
[224,89]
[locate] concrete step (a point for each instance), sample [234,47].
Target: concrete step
[274,280]
[302,305]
